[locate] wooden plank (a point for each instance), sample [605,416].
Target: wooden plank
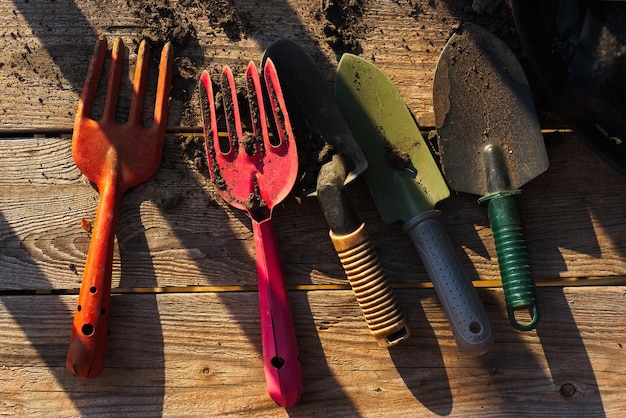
[174,231]
[199,355]
[46,47]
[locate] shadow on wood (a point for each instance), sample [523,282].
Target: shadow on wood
[36,321]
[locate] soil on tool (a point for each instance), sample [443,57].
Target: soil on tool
[279,117]
[251,143]
[248,143]
[256,205]
[471,72]
[192,148]
[229,113]
[396,157]
[216,175]
[313,151]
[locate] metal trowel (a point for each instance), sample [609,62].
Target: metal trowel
[310,102]
[406,183]
[490,144]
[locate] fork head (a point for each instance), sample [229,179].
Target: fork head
[128,153]
[253,171]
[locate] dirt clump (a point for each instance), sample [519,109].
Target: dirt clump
[396,157]
[192,147]
[256,205]
[163,23]
[342,25]
[223,14]
[248,143]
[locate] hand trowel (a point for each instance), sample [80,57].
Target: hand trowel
[490,144]
[311,102]
[406,183]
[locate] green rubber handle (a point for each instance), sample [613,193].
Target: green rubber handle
[508,236]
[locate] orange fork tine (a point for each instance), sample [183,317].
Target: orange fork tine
[85,104]
[161,104]
[115,77]
[139,84]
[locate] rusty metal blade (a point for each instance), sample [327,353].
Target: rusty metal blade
[488,132]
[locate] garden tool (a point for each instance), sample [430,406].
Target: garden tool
[115,157]
[406,183]
[254,172]
[310,100]
[490,144]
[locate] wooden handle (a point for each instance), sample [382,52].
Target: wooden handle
[372,290]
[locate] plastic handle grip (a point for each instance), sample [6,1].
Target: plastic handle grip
[517,281]
[372,290]
[467,316]
[85,356]
[283,374]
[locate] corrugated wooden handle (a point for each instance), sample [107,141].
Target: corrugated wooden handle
[373,292]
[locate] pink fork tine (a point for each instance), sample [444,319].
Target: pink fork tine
[260,130]
[235,132]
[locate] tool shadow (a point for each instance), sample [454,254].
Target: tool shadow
[51,342]
[557,324]
[52,345]
[223,251]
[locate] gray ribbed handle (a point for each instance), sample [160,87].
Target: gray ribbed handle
[467,316]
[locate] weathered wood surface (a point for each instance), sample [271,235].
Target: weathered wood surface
[198,353]
[174,231]
[46,44]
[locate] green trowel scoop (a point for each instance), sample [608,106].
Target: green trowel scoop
[490,144]
[406,183]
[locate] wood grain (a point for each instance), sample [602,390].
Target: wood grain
[46,46]
[199,355]
[174,230]
[179,349]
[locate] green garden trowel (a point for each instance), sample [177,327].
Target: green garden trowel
[406,183]
[490,144]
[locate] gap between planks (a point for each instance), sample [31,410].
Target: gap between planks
[483,284]
[66,132]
